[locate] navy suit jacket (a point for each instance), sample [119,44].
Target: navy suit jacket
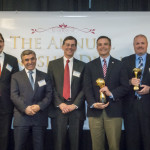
[129,101]
[116,80]
[23,95]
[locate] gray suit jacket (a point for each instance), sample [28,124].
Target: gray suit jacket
[23,95]
[56,73]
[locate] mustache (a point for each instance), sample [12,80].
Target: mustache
[140,48]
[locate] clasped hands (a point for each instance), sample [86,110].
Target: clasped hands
[67,108]
[99,105]
[32,109]
[136,82]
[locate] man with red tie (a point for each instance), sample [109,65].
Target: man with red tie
[105,119]
[68,110]
[8,66]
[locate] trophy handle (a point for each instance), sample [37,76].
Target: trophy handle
[136,87]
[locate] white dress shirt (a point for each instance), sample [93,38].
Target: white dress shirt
[33,74]
[2,56]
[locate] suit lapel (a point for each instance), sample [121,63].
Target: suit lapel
[75,68]
[132,63]
[147,64]
[3,73]
[99,67]
[26,80]
[37,78]
[60,67]
[110,67]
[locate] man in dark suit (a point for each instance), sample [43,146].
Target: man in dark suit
[68,102]
[31,94]
[105,118]
[8,66]
[137,103]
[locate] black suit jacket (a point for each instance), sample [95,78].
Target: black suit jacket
[23,95]
[116,80]
[129,101]
[56,72]
[6,105]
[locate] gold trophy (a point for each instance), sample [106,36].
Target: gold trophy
[101,83]
[137,73]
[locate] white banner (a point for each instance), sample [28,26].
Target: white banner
[44,32]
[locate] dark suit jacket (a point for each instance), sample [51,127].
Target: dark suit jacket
[56,72]
[129,102]
[116,81]
[23,95]
[6,105]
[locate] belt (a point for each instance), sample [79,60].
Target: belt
[69,99]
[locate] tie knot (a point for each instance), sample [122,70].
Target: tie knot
[104,60]
[30,71]
[140,58]
[67,61]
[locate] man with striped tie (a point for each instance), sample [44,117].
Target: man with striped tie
[137,103]
[105,119]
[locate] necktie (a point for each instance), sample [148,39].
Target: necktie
[140,66]
[104,67]
[31,79]
[66,86]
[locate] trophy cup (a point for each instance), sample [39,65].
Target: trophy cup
[137,74]
[101,83]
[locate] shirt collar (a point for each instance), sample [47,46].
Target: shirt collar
[71,59]
[107,59]
[27,71]
[2,54]
[143,56]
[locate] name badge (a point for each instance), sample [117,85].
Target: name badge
[76,73]
[41,83]
[9,67]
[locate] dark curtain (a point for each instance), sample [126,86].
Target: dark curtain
[120,5]
[44,5]
[74,5]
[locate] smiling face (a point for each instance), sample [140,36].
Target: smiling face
[103,47]
[69,48]
[140,45]
[29,61]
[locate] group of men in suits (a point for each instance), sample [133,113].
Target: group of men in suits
[61,93]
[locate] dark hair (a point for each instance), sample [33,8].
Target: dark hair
[1,36]
[70,38]
[27,52]
[104,37]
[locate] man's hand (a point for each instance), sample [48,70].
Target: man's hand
[145,90]
[64,108]
[106,91]
[100,105]
[135,81]
[29,111]
[35,108]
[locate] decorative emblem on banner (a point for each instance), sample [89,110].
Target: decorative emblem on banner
[64,28]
